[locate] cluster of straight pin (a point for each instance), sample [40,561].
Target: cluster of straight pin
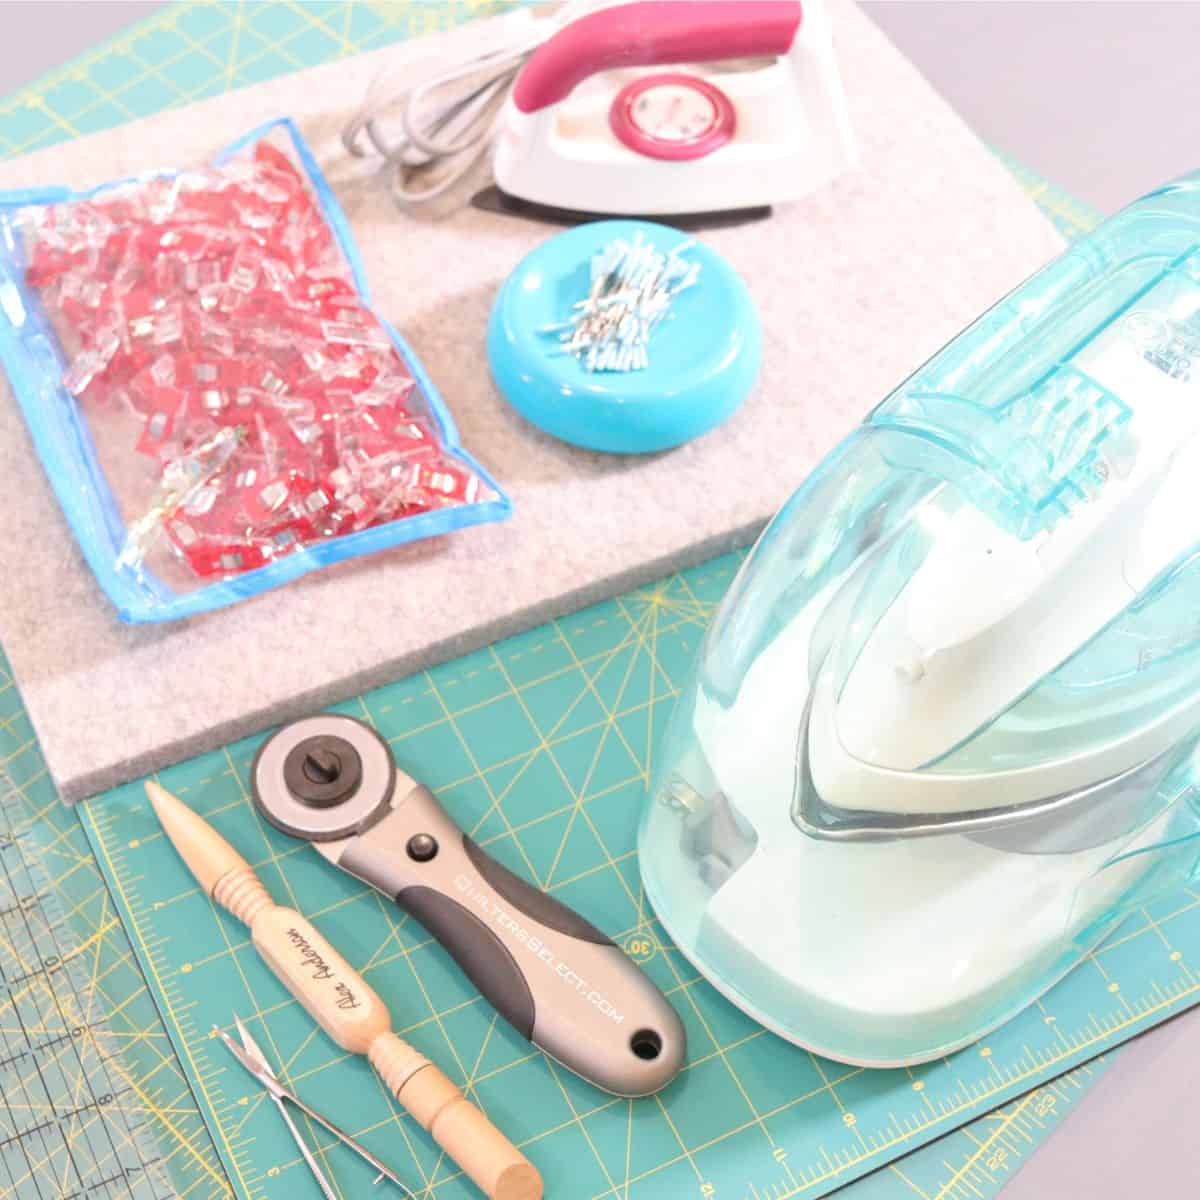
[632,287]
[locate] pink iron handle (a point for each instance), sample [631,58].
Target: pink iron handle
[653,32]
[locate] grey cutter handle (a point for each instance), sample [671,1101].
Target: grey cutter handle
[556,978]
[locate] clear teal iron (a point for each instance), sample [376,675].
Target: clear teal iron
[944,726]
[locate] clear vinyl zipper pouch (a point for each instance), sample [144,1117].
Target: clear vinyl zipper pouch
[217,405]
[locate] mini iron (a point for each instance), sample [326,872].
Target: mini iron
[750,113]
[944,726]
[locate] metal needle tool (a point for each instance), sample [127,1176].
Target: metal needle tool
[251,1056]
[342,1003]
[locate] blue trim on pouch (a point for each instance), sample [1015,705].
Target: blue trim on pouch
[703,358]
[34,361]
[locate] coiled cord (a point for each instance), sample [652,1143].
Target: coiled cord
[448,110]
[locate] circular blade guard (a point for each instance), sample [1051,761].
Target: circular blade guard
[323,778]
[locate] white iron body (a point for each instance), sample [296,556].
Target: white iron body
[987,615]
[792,136]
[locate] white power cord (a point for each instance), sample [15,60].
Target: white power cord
[448,109]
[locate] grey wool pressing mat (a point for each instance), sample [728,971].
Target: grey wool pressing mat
[855,286]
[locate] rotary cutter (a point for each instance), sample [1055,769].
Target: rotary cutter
[557,979]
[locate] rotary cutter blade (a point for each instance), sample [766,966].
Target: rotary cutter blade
[558,980]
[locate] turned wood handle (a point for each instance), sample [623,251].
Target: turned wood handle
[485,1155]
[339,1000]
[335,994]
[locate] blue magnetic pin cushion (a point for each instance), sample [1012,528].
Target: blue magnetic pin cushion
[704,355]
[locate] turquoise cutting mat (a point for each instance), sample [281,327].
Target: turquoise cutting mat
[116,1015]
[976,1161]
[748,1120]
[193,50]
[541,746]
